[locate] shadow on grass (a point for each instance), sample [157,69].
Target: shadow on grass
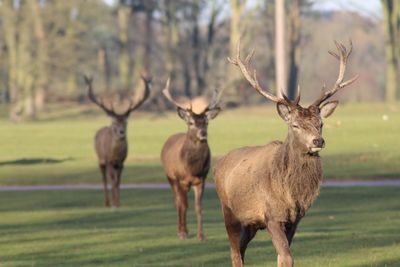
[34,161]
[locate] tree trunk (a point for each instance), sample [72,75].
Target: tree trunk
[123,57]
[104,67]
[237,7]
[9,19]
[391,52]
[294,48]
[41,56]
[172,36]
[280,47]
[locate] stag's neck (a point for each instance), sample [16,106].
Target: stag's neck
[119,147]
[298,175]
[196,156]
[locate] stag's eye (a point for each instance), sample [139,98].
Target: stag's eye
[295,126]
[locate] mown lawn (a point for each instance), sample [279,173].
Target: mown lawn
[362,143]
[345,227]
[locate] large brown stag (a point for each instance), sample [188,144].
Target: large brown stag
[272,186]
[111,143]
[186,158]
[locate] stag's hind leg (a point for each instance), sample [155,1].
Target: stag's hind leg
[247,233]
[181,204]
[233,228]
[281,244]
[103,169]
[198,196]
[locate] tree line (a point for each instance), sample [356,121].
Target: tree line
[47,45]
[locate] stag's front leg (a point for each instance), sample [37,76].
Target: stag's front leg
[182,205]
[198,196]
[281,244]
[118,182]
[103,169]
[113,175]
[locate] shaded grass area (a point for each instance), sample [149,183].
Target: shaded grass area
[58,147]
[345,227]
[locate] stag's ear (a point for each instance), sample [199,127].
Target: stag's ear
[328,108]
[212,113]
[283,111]
[183,114]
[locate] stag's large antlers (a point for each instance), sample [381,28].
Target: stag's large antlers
[147,87]
[92,97]
[213,103]
[252,78]
[167,94]
[110,111]
[339,84]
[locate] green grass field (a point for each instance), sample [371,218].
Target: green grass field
[346,227]
[58,147]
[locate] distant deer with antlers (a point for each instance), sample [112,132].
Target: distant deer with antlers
[111,143]
[273,185]
[186,158]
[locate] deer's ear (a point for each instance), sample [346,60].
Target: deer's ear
[328,108]
[212,113]
[183,114]
[283,111]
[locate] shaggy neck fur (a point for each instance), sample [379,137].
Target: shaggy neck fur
[195,154]
[299,175]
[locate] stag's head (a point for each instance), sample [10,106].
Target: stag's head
[304,123]
[196,114]
[119,119]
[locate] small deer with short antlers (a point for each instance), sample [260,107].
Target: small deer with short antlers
[186,159]
[111,143]
[272,186]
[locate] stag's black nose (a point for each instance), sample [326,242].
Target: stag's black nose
[319,142]
[203,133]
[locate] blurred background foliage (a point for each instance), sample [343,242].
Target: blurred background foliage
[46,46]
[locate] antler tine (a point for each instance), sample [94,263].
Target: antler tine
[339,84]
[297,100]
[167,94]
[92,97]
[252,79]
[147,88]
[214,100]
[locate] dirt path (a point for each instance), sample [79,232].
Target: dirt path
[329,183]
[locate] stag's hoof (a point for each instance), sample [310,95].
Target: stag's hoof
[182,235]
[200,237]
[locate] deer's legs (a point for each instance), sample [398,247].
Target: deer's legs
[281,244]
[290,230]
[103,169]
[198,195]
[118,183]
[233,228]
[113,175]
[181,206]
[247,233]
